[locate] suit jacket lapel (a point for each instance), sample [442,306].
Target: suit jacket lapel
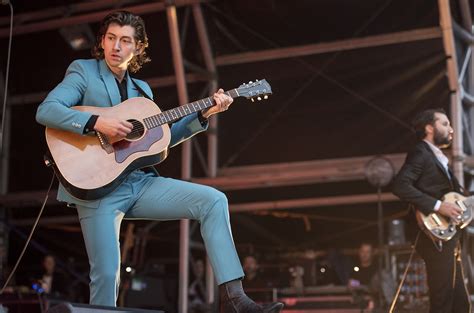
[456,184]
[131,89]
[109,81]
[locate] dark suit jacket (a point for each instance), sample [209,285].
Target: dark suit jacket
[422,180]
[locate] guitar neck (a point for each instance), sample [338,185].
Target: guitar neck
[172,115]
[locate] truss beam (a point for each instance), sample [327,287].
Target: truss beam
[325,47]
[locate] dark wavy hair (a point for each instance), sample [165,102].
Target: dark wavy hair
[123,18]
[424,118]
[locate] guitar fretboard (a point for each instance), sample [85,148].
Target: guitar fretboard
[172,115]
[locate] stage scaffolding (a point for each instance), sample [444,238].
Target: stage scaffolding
[458,40]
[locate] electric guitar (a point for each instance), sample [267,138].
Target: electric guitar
[89,167]
[440,228]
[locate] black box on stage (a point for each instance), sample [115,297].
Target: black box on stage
[85,308]
[153,292]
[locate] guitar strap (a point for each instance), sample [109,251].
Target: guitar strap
[143,93]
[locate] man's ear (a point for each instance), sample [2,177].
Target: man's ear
[140,48]
[429,129]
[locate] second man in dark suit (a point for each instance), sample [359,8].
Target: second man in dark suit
[422,181]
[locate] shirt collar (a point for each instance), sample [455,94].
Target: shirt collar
[438,153]
[435,149]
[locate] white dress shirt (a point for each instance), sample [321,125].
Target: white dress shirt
[443,159]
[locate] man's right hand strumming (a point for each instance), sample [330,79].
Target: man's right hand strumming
[450,210]
[112,127]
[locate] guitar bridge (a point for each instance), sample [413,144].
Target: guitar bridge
[104,143]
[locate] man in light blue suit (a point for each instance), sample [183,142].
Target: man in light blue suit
[105,81]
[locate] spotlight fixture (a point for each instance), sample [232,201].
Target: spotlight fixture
[79,37]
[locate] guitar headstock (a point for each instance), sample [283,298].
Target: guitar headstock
[259,89]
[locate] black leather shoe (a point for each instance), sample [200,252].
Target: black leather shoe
[234,299]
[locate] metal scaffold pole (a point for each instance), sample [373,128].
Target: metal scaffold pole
[446,25]
[212,133]
[186,158]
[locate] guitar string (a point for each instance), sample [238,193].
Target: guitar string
[138,127]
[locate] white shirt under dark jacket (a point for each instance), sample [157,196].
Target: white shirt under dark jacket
[443,159]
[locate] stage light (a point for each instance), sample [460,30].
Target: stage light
[356,268]
[128,269]
[79,37]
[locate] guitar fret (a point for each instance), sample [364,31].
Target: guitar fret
[232,93]
[147,123]
[199,105]
[162,118]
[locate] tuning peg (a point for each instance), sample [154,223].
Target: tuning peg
[253,100]
[259,98]
[265,97]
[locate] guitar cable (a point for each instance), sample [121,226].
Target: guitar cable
[29,237]
[394,301]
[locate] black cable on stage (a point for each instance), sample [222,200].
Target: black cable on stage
[4,108]
[29,237]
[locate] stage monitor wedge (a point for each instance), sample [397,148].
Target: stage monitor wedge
[85,308]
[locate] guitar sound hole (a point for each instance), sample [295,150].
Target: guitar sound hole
[137,131]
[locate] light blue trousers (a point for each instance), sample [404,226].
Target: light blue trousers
[144,196]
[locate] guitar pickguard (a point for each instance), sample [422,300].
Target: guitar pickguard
[124,148]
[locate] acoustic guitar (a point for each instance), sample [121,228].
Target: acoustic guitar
[91,166]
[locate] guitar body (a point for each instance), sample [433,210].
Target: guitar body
[89,168]
[441,228]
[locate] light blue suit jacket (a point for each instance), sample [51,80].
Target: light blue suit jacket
[90,82]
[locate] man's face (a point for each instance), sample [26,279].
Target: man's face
[365,254]
[250,265]
[442,130]
[49,264]
[119,45]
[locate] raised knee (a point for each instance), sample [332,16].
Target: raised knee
[221,198]
[218,203]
